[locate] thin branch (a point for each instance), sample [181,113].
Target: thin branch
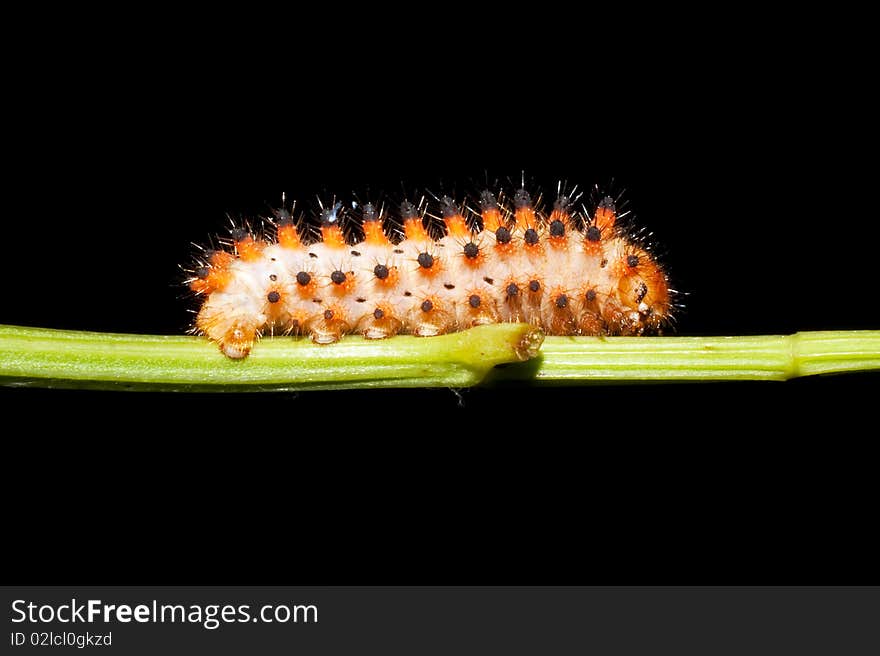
[59,358]
[84,360]
[578,360]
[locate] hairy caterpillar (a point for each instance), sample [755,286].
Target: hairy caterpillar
[497,257]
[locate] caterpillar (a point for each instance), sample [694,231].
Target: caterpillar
[496,257]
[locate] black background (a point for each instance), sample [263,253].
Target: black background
[748,174]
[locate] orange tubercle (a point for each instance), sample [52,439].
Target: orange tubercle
[249,250]
[306,285]
[559,215]
[385,277]
[473,256]
[593,248]
[342,283]
[525,217]
[456,226]
[288,237]
[413,229]
[606,215]
[373,233]
[492,219]
[559,224]
[214,277]
[200,286]
[504,250]
[220,279]
[632,263]
[275,307]
[428,264]
[332,236]
[221,259]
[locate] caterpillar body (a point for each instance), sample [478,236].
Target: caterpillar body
[498,257]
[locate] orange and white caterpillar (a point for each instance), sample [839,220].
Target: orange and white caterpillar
[364,271]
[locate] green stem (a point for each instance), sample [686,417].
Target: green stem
[83,360]
[577,360]
[59,358]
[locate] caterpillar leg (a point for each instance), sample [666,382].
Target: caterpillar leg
[328,326]
[234,331]
[429,319]
[380,323]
